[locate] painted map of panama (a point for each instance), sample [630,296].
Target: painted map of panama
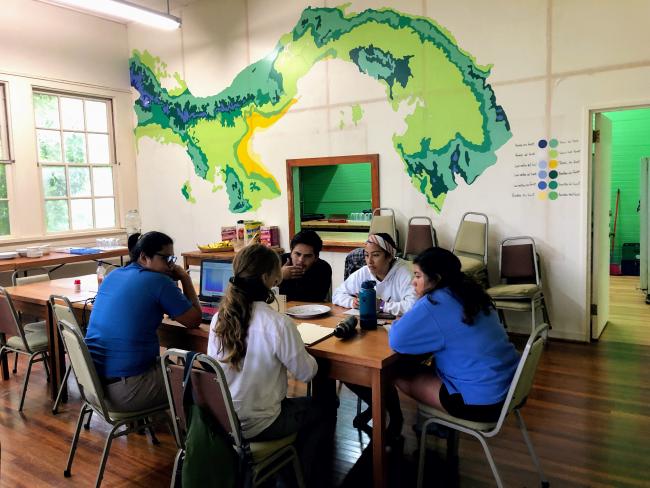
[453,128]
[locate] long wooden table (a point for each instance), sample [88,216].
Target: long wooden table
[194,258]
[365,359]
[59,259]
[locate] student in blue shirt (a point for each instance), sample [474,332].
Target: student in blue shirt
[456,321]
[122,334]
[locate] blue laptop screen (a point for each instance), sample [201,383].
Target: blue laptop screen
[214,278]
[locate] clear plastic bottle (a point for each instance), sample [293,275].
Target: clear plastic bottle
[132,222]
[240,231]
[101,272]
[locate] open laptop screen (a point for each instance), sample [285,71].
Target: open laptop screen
[215,274]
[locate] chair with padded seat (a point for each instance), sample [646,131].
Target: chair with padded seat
[520,387]
[471,245]
[520,287]
[211,392]
[419,237]
[384,223]
[92,396]
[18,280]
[62,310]
[16,338]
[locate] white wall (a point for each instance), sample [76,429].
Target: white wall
[553,61]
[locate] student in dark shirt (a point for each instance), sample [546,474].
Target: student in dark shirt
[305,277]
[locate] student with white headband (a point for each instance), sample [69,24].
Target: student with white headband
[392,275]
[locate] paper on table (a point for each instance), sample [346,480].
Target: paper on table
[352,311]
[312,333]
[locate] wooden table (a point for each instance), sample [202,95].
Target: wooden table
[365,359]
[32,300]
[327,225]
[60,259]
[194,258]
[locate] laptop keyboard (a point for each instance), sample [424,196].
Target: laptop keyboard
[207,312]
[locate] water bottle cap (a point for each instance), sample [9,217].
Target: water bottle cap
[368,284]
[77,282]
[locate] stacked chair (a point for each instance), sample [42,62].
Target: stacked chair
[471,245]
[520,287]
[211,393]
[30,340]
[520,388]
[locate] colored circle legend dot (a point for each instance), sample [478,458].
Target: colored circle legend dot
[553,174]
[541,195]
[542,175]
[552,143]
[552,153]
[542,143]
[552,163]
[541,185]
[552,195]
[552,185]
[542,165]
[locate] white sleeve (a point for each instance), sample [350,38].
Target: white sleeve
[403,288]
[346,291]
[290,350]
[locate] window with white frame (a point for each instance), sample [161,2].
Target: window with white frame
[74,137]
[5,160]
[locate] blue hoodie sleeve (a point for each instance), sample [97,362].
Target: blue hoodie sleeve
[417,332]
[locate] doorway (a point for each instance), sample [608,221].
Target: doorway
[621,138]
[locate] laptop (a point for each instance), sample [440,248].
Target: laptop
[215,276]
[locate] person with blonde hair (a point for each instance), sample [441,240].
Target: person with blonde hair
[256,346]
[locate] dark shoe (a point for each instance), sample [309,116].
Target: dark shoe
[361,421]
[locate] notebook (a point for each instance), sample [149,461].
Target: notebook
[312,333]
[215,276]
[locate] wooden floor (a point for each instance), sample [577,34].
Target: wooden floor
[588,416]
[629,315]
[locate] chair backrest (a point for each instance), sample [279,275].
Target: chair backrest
[419,237]
[62,310]
[518,261]
[354,260]
[9,323]
[83,366]
[384,223]
[25,280]
[472,236]
[210,390]
[522,381]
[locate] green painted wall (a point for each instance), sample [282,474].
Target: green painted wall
[336,189]
[630,142]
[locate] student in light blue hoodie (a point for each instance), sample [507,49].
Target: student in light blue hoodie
[456,321]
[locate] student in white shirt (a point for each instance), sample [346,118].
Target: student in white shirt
[392,275]
[396,296]
[256,346]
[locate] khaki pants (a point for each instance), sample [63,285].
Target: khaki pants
[136,393]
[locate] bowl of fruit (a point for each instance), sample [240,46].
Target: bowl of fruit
[221,246]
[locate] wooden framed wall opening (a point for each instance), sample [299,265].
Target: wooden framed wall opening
[332,188]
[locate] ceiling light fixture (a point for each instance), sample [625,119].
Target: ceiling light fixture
[124,10]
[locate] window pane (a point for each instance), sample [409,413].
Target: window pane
[49,146]
[4,218]
[79,183]
[72,113]
[75,147]
[56,215]
[82,214]
[104,212]
[46,110]
[96,116]
[98,149]
[3,181]
[54,184]
[103,182]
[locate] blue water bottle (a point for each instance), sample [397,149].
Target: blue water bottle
[368,305]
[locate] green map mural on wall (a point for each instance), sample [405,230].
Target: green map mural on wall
[453,129]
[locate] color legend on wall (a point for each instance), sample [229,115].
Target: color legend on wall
[547,169]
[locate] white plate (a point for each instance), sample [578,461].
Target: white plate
[8,255]
[307,311]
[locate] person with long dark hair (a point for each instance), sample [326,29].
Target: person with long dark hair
[454,319]
[130,304]
[256,346]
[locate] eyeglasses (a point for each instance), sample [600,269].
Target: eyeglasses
[169,258]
